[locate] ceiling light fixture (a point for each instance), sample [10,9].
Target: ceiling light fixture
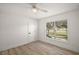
[34,10]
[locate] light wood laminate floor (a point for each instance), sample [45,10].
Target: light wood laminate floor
[37,48]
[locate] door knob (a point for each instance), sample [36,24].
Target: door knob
[29,33]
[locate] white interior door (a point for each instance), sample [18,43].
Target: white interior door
[31,30]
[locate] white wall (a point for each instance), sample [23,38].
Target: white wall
[73,30]
[14,29]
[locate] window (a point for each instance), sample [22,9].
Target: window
[57,29]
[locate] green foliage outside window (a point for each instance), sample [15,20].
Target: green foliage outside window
[57,29]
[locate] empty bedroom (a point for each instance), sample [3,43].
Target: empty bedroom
[39,28]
